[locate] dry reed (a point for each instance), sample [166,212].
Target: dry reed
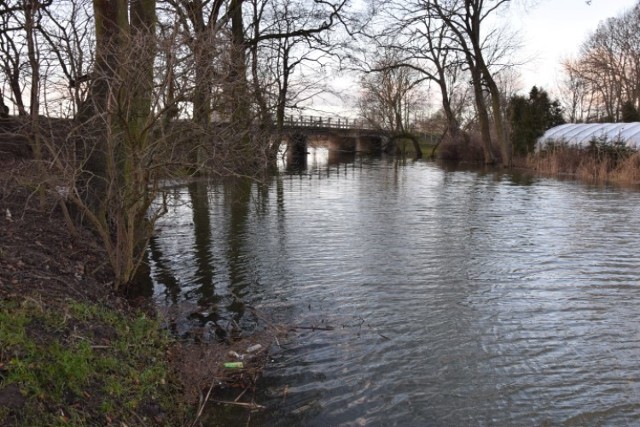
[597,163]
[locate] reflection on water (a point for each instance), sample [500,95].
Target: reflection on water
[316,158]
[458,297]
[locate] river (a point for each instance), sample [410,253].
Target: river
[456,297]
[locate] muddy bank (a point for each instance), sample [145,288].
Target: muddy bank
[74,351]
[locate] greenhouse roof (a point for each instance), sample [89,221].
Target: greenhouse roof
[582,133]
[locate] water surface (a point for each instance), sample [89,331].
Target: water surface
[457,297]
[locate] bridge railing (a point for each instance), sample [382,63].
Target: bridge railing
[310,121]
[334,122]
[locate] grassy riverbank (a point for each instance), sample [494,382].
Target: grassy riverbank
[73,352]
[79,363]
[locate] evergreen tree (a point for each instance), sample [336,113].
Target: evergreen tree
[531,117]
[630,112]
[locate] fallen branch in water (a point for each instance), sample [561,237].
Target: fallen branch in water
[313,328]
[203,403]
[241,394]
[278,328]
[245,405]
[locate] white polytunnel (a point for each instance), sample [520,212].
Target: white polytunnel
[581,134]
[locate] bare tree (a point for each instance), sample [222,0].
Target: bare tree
[12,49]
[199,28]
[466,19]
[67,29]
[608,68]
[450,41]
[32,13]
[112,176]
[424,45]
[290,44]
[46,51]
[574,93]
[390,94]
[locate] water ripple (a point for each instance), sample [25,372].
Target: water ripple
[459,298]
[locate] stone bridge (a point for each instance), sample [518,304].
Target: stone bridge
[337,134]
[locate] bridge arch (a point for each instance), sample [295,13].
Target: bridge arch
[393,142]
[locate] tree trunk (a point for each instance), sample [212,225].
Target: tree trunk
[506,149]
[142,38]
[116,132]
[14,84]
[94,116]
[473,20]
[266,121]
[203,69]
[142,52]
[483,114]
[453,127]
[238,89]
[30,13]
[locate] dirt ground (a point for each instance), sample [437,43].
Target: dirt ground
[38,253]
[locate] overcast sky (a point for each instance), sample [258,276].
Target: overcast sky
[554,29]
[550,31]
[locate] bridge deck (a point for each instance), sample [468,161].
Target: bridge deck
[320,122]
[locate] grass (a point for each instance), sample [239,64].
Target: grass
[78,364]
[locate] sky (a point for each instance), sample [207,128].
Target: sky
[553,30]
[549,31]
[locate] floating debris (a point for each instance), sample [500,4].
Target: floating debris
[236,355]
[254,348]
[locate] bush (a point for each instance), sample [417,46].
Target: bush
[614,151]
[465,149]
